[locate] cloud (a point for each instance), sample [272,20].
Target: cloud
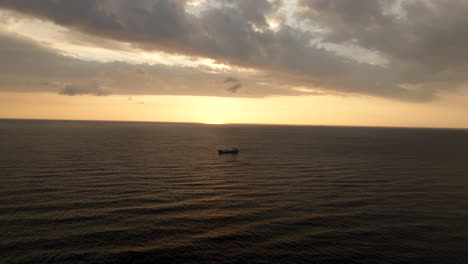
[236,85]
[27,66]
[86,89]
[232,32]
[423,41]
[234,88]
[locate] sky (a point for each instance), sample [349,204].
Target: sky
[305,62]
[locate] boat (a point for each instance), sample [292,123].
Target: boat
[228,151]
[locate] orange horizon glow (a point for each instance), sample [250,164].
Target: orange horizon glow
[286,110]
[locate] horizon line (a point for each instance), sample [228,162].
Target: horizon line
[227,124]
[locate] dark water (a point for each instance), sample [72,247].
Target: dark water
[110,192]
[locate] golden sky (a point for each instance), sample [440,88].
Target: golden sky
[299,110]
[256,62]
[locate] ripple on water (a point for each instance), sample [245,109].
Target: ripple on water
[76,192]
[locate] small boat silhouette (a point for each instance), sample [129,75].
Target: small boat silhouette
[228,151]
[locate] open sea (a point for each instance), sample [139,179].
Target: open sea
[127,192]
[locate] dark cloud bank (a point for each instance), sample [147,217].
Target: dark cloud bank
[26,66]
[423,41]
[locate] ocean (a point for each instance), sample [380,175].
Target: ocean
[129,192]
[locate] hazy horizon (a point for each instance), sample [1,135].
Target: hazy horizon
[221,124]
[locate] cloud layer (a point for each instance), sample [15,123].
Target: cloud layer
[26,66]
[422,41]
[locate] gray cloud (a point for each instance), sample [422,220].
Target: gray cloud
[424,41]
[26,66]
[87,89]
[234,87]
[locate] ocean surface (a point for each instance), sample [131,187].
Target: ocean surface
[122,192]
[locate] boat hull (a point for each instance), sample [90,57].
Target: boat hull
[228,151]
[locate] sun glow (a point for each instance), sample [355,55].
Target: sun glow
[305,110]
